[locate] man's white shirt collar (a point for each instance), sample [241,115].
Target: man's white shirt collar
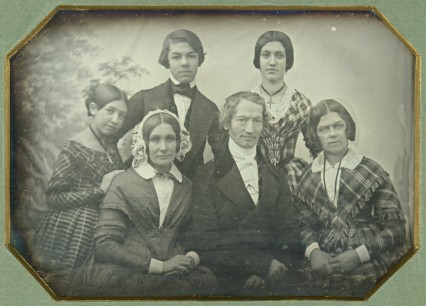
[239,152]
[245,160]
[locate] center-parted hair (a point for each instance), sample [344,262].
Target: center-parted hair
[177,36]
[271,36]
[156,120]
[233,100]
[323,108]
[104,94]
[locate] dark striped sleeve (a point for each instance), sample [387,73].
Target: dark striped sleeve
[307,224]
[60,193]
[297,115]
[390,218]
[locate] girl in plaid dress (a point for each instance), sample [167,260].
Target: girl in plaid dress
[352,225]
[289,109]
[83,173]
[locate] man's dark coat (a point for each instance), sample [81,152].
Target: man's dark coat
[235,237]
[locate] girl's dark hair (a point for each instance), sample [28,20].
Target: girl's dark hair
[323,108]
[177,36]
[157,119]
[104,94]
[274,36]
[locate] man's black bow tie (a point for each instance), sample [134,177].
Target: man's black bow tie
[183,89]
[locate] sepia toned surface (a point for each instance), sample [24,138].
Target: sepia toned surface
[305,86]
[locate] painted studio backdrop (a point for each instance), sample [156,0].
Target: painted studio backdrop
[351,57]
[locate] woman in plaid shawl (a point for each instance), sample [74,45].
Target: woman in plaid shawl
[83,173]
[289,108]
[352,225]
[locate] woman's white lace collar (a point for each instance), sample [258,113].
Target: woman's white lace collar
[350,161]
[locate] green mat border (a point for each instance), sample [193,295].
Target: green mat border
[20,17]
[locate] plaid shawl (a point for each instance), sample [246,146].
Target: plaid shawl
[293,170]
[367,184]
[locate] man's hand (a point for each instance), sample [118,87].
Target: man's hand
[254,282]
[276,269]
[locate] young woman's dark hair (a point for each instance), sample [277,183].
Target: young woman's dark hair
[104,94]
[271,36]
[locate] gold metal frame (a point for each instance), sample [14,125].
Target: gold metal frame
[343,8]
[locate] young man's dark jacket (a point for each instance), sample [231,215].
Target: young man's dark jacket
[202,121]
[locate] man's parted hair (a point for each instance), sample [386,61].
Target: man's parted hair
[233,100]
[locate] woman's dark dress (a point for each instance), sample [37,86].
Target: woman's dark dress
[127,237]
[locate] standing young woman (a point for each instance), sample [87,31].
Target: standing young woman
[83,173]
[352,225]
[138,248]
[289,109]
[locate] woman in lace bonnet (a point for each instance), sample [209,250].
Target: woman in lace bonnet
[139,236]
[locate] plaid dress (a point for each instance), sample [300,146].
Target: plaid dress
[368,212]
[65,236]
[279,137]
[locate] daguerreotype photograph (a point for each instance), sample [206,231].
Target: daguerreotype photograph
[213,153]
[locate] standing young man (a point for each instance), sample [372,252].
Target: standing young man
[182,54]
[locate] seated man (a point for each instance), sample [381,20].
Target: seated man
[244,226]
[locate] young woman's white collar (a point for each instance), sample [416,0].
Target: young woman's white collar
[350,161]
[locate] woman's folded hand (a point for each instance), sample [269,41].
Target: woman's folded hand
[320,262]
[345,262]
[178,263]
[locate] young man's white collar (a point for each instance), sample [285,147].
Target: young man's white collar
[182,102]
[176,82]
